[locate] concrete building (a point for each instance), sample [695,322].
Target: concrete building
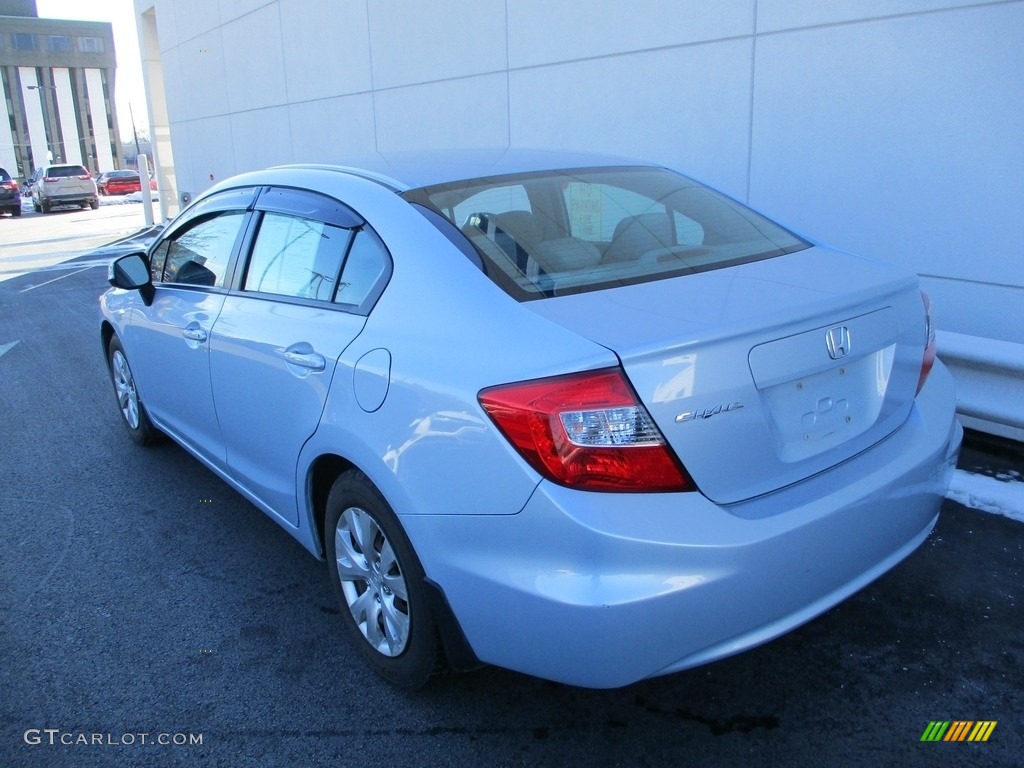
[58,92]
[892,129]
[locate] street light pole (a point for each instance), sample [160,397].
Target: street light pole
[138,151]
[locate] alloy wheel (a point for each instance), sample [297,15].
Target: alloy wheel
[372,582]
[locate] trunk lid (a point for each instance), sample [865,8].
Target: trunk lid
[764,374]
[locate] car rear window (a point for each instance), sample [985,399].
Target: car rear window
[4,175]
[65,171]
[559,232]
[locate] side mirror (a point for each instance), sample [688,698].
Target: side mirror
[131,273]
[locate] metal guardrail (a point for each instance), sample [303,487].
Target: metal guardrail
[989,376]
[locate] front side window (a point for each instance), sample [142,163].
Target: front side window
[296,257]
[200,255]
[572,231]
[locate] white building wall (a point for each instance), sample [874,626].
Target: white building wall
[34,115]
[8,159]
[890,128]
[71,151]
[100,129]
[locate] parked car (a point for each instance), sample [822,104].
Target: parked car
[118,182]
[579,417]
[10,196]
[64,185]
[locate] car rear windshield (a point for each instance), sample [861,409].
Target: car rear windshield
[4,175]
[553,233]
[64,171]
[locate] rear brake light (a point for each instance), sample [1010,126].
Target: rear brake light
[929,345]
[83,178]
[586,431]
[50,178]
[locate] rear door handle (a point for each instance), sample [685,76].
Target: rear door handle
[311,360]
[194,334]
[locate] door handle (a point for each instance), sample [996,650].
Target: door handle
[194,334]
[310,360]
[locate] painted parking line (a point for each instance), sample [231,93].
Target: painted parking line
[5,348]
[69,274]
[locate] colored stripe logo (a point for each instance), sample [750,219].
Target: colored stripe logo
[959,730]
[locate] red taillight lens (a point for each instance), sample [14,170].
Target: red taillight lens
[12,184]
[586,431]
[929,346]
[49,178]
[84,178]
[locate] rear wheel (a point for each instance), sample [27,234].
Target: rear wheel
[133,412]
[94,204]
[379,583]
[16,211]
[47,207]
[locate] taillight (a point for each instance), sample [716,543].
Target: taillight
[929,345]
[85,178]
[587,431]
[49,178]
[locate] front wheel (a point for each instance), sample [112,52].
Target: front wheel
[133,412]
[379,583]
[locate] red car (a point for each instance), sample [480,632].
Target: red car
[118,182]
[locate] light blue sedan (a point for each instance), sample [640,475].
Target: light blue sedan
[579,417]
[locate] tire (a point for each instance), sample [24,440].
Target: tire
[382,596]
[133,412]
[46,206]
[35,206]
[94,204]
[16,211]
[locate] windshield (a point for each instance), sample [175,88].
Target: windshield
[558,232]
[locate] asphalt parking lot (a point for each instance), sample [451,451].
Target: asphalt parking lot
[140,595]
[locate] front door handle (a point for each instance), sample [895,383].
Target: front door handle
[194,334]
[310,360]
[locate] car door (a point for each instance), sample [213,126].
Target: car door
[168,341]
[301,297]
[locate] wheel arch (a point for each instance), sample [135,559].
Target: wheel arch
[321,475]
[106,334]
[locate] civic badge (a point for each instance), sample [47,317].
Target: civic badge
[838,342]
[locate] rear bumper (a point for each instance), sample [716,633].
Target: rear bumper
[602,590]
[81,197]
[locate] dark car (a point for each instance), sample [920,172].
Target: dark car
[10,196]
[118,182]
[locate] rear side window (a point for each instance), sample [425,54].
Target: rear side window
[296,257]
[365,268]
[551,233]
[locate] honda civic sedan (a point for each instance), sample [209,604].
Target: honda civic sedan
[579,417]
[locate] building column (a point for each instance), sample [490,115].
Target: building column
[72,149]
[34,116]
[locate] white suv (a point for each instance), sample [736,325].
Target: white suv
[64,185]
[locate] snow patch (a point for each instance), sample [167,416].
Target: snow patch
[988,494]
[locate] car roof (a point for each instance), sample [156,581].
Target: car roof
[402,171]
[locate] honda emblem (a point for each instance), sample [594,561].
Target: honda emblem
[838,341]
